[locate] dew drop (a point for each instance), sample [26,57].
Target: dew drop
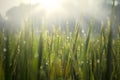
[24,42]
[98,61]
[4,49]
[46,63]
[5,38]
[83,31]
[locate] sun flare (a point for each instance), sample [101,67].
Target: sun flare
[49,5]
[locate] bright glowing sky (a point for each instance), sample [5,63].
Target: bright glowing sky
[7,4]
[48,4]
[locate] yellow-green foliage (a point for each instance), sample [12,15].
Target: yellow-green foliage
[59,55]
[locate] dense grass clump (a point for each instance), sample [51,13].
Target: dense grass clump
[59,55]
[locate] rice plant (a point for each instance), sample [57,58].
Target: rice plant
[60,55]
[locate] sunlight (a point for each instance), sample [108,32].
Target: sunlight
[49,5]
